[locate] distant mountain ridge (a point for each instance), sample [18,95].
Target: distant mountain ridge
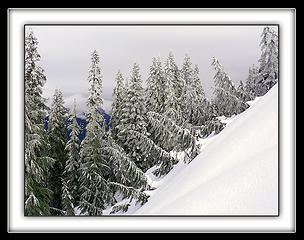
[82,123]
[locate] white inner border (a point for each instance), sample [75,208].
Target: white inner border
[16,220]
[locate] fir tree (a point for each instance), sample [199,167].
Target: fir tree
[155,95]
[58,139]
[96,194]
[132,120]
[187,96]
[177,81]
[67,199]
[119,94]
[70,190]
[242,93]
[127,181]
[226,100]
[173,90]
[37,162]
[251,87]
[193,97]
[268,69]
[166,126]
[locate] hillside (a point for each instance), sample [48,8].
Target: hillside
[236,172]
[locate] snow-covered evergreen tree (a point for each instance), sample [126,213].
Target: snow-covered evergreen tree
[119,94]
[37,162]
[166,127]
[58,138]
[269,60]
[173,90]
[155,95]
[94,170]
[193,100]
[132,122]
[251,87]
[70,177]
[187,95]
[177,81]
[106,169]
[242,94]
[67,199]
[226,101]
[127,181]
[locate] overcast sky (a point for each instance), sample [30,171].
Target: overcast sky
[66,51]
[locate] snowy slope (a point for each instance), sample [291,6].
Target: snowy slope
[236,172]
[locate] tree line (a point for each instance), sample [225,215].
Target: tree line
[150,126]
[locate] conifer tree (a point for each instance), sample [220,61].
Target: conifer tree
[172,68]
[106,169]
[268,69]
[187,96]
[226,100]
[242,93]
[119,94]
[201,109]
[126,180]
[58,139]
[70,190]
[155,95]
[251,87]
[37,162]
[173,90]
[166,127]
[193,97]
[96,194]
[67,199]
[132,120]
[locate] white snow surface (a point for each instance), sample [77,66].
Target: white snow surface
[236,172]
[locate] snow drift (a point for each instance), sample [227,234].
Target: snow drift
[236,172]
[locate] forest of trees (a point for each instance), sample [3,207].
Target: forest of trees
[149,126]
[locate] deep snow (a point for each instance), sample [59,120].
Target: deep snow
[236,172]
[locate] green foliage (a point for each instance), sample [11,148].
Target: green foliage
[226,96]
[269,60]
[37,161]
[58,139]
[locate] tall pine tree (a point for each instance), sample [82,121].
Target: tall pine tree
[155,95]
[37,161]
[70,191]
[132,120]
[251,82]
[173,91]
[187,96]
[58,139]
[96,194]
[119,95]
[269,60]
[226,101]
